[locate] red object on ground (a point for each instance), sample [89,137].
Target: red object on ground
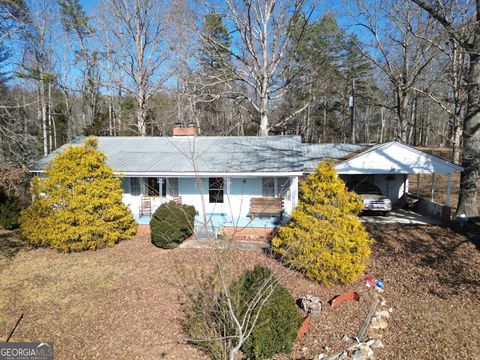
[370,281]
[304,328]
[346,296]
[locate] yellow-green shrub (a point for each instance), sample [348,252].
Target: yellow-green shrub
[325,238]
[78,205]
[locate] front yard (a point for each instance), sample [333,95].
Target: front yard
[128,302]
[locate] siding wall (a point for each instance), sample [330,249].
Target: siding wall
[237,195]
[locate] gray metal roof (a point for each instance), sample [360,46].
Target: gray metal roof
[204,154]
[314,153]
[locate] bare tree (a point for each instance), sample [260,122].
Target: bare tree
[262,31]
[133,35]
[470,41]
[392,47]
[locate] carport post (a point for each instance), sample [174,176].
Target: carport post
[449,186]
[433,187]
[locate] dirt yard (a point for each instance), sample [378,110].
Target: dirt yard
[128,302]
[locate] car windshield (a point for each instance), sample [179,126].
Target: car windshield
[365,188]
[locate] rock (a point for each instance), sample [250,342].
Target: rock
[363,347]
[345,338]
[343,355]
[312,305]
[383,314]
[378,323]
[359,355]
[321,356]
[378,344]
[371,342]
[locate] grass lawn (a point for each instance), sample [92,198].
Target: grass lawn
[128,302]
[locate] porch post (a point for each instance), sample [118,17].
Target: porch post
[449,187]
[433,187]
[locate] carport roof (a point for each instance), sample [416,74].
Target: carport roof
[396,158]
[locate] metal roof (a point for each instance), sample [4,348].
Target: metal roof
[272,155]
[314,153]
[199,154]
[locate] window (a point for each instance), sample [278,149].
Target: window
[268,187]
[153,186]
[215,190]
[276,187]
[284,187]
[172,186]
[135,186]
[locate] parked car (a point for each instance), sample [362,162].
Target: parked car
[373,199]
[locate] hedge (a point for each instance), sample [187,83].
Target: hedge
[171,224]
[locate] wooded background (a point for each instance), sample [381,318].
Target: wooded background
[231,67]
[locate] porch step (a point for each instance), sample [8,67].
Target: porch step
[204,234]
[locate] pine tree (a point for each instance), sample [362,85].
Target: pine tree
[325,238]
[78,205]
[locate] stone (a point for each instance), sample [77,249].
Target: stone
[371,342]
[359,355]
[383,314]
[312,305]
[378,344]
[343,355]
[345,338]
[364,348]
[378,323]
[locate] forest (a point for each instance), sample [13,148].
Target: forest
[359,71]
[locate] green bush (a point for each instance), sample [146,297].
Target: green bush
[171,224]
[274,331]
[9,211]
[78,205]
[278,321]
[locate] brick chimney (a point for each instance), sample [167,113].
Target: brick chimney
[179,130]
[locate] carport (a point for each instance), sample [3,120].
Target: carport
[389,165]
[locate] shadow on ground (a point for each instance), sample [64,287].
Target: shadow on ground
[10,244]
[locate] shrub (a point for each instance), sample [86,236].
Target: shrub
[325,238]
[171,224]
[278,321]
[274,331]
[78,205]
[9,211]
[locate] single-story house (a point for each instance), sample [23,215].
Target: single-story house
[225,177]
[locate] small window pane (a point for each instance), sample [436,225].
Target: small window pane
[153,187]
[172,186]
[268,187]
[215,190]
[135,186]
[284,187]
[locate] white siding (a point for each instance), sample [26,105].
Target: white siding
[237,195]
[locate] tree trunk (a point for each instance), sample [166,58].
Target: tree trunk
[141,116]
[467,201]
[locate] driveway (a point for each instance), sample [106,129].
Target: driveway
[400,216]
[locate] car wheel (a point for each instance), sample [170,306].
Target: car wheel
[386,213]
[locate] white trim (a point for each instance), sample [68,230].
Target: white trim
[408,147]
[206,174]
